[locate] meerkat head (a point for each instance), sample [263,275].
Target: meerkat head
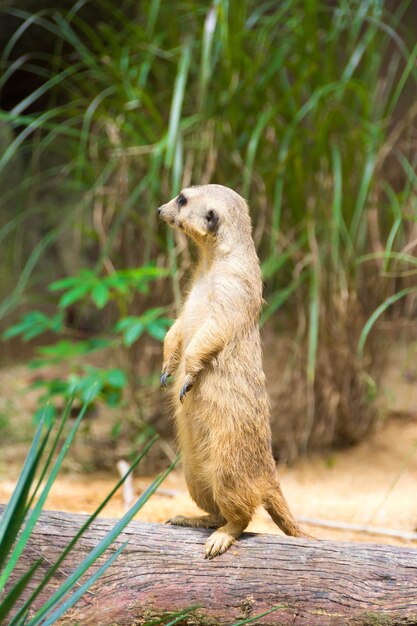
[206,211]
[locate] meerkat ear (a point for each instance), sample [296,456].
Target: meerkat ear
[212,220]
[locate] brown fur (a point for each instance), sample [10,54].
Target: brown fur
[214,347]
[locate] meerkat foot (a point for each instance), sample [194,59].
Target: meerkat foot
[201,521]
[222,539]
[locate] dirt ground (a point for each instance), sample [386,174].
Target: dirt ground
[374,483]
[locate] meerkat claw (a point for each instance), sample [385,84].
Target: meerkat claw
[185,389]
[164,378]
[179,520]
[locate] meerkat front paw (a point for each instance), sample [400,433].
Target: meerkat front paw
[164,377]
[189,382]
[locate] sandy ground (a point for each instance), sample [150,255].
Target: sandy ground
[374,483]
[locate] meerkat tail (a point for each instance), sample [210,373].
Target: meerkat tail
[278,509]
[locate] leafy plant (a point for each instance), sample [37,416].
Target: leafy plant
[38,474]
[86,381]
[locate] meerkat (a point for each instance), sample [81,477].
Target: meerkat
[219,392]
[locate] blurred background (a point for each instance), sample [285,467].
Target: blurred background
[308,109]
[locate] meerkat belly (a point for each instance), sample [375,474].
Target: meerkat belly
[195,312]
[228,399]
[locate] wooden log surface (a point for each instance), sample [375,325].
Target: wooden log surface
[162,570]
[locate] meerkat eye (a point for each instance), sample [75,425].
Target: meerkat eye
[181,200]
[212,220]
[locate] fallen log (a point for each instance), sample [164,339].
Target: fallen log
[162,569]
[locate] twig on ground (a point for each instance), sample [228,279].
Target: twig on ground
[359,528]
[128,491]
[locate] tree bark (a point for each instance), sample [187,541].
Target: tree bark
[163,569]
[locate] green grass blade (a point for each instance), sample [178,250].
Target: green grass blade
[378,312]
[173,617]
[99,549]
[48,461]
[224,24]
[409,169]
[10,600]
[54,617]
[337,216]
[34,515]
[390,241]
[34,122]
[271,266]
[253,143]
[313,332]
[395,207]
[358,53]
[178,163]
[177,102]
[13,147]
[87,121]
[13,300]
[69,34]
[15,512]
[22,481]
[11,225]
[28,20]
[249,620]
[206,66]
[368,173]
[152,16]
[410,66]
[43,89]
[398,256]
[182,615]
[280,298]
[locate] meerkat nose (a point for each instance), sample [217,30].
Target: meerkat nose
[158,210]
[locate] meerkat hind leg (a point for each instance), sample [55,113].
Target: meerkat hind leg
[223,537]
[200,521]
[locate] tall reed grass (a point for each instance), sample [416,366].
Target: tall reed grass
[293,104]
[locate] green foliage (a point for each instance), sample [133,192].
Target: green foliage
[22,512]
[66,350]
[34,324]
[103,289]
[152,322]
[86,381]
[91,382]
